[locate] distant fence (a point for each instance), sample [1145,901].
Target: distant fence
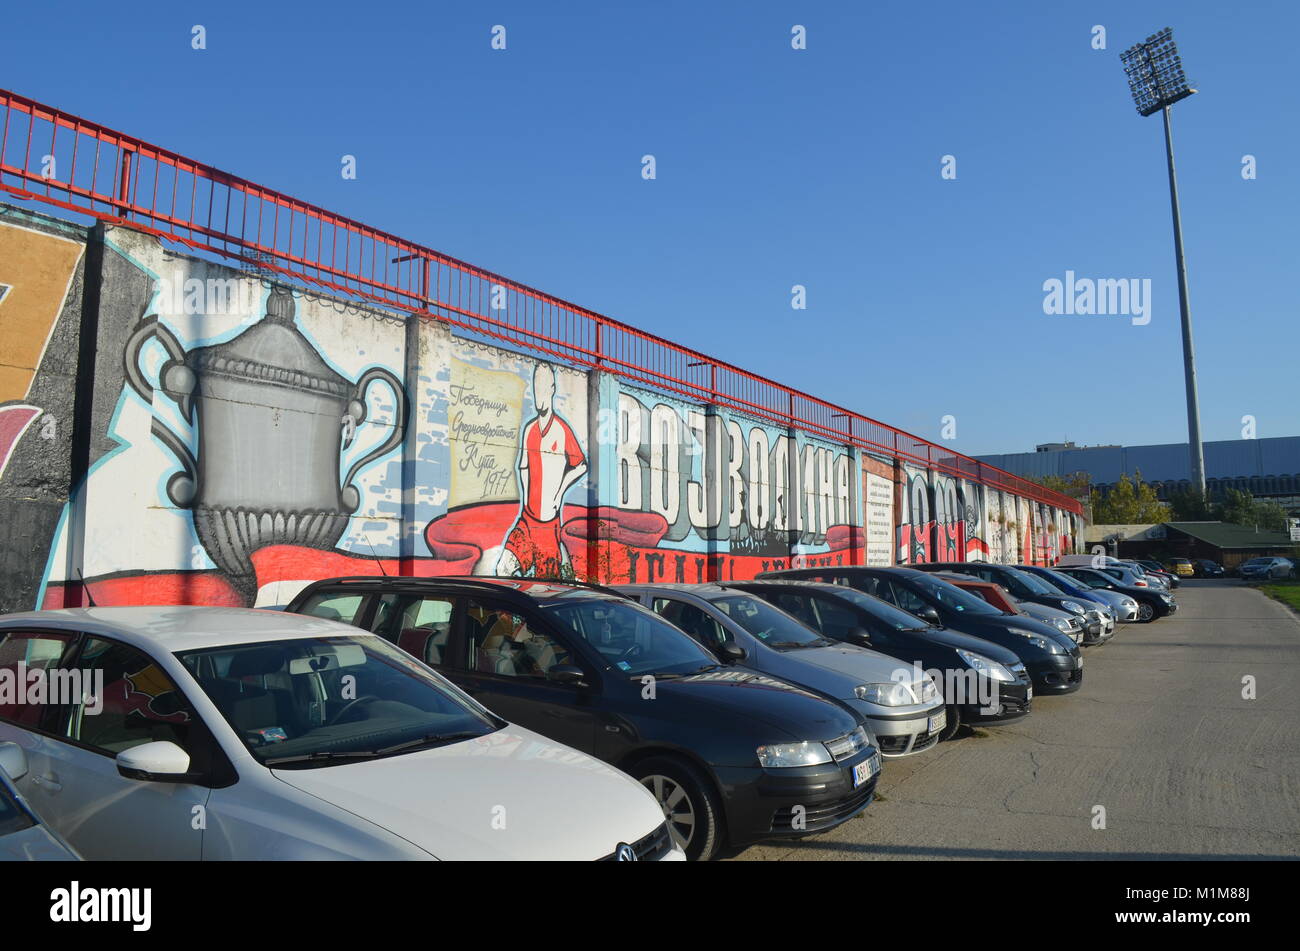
[54,157]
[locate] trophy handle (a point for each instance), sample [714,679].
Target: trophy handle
[178,382]
[349,495]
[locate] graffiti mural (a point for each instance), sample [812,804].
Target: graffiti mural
[41,265]
[244,439]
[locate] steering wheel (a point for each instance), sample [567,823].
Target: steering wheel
[629,653]
[368,698]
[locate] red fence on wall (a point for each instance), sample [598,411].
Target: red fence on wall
[81,166]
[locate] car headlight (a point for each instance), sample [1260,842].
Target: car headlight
[806,753]
[986,666]
[1063,625]
[1042,643]
[889,695]
[1166,599]
[1074,607]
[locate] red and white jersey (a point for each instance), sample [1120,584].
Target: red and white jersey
[550,450]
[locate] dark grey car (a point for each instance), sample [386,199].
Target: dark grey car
[742,628]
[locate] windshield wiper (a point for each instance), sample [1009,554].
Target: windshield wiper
[429,738]
[319,755]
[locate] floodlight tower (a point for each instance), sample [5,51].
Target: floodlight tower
[1156,80]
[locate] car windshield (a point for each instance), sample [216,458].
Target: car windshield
[895,617]
[1061,579]
[631,638]
[1035,584]
[1091,579]
[322,700]
[951,596]
[1259,562]
[770,625]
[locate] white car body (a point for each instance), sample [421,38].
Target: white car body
[510,794]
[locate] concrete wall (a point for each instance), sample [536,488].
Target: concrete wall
[231,439]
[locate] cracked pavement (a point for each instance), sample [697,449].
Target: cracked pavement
[1159,735]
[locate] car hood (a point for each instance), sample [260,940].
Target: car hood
[509,795]
[854,665]
[34,844]
[752,696]
[950,637]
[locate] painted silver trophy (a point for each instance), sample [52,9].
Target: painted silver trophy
[272,419]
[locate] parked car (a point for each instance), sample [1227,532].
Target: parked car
[1266,569]
[901,710]
[1170,578]
[1054,661]
[1068,624]
[1121,606]
[731,754]
[1205,568]
[1130,577]
[1161,579]
[1183,567]
[1029,587]
[980,681]
[293,738]
[1152,604]
[24,835]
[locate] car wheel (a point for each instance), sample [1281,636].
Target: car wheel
[690,806]
[1146,613]
[953,724]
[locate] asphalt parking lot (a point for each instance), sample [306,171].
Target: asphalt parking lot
[1159,735]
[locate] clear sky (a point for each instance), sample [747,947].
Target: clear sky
[777,167]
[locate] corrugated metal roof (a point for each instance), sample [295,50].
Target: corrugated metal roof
[1224,459]
[1228,535]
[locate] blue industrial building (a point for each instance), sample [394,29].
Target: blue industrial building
[1267,468]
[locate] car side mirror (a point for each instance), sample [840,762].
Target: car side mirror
[731,651]
[929,613]
[861,635]
[569,674]
[161,761]
[13,760]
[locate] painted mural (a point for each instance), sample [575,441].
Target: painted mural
[248,438]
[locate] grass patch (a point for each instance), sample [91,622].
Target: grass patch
[1288,592]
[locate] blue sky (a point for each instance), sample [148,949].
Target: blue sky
[777,167]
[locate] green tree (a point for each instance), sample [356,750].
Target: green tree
[1130,502]
[1190,506]
[1241,508]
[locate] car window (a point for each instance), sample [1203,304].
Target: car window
[836,619]
[334,606]
[869,584]
[798,606]
[307,702]
[137,703]
[418,624]
[21,653]
[694,621]
[766,622]
[498,641]
[629,637]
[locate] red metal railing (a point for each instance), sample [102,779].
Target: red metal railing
[81,166]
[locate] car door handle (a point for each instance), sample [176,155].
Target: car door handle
[48,782]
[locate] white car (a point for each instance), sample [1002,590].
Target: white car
[226,733]
[24,836]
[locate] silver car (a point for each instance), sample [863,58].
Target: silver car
[905,712]
[1122,607]
[24,835]
[1266,569]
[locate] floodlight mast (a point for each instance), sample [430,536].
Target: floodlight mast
[1156,80]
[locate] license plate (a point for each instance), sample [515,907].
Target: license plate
[937,722]
[1029,694]
[1078,663]
[864,771]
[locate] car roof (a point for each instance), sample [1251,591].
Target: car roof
[181,627]
[845,569]
[541,590]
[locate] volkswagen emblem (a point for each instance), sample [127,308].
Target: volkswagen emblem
[625,853]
